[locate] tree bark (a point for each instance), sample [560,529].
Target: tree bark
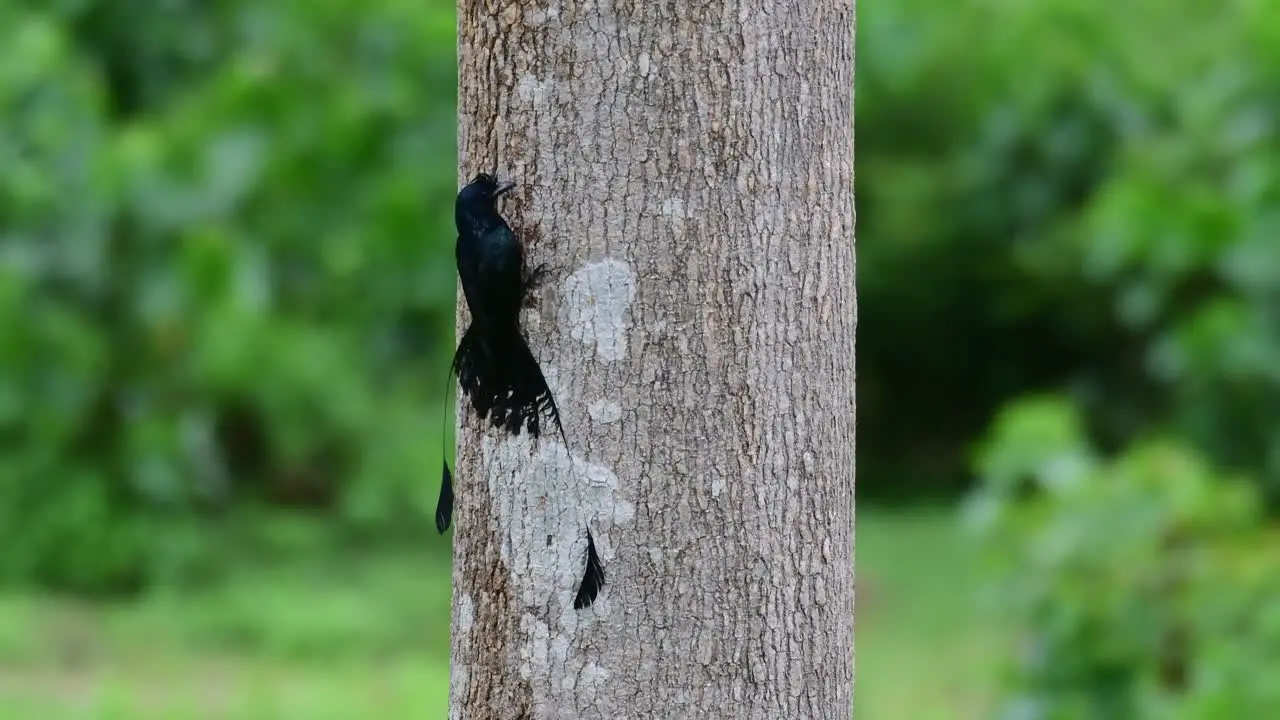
[686,171]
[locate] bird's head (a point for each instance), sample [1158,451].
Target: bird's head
[484,189]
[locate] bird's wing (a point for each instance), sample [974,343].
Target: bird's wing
[499,273]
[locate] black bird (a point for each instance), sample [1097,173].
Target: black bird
[496,370]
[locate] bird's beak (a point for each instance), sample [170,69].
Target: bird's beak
[503,188]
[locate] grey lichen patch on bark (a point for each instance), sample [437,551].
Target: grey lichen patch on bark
[487,640]
[605,411]
[597,305]
[466,613]
[544,498]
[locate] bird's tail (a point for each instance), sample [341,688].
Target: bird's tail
[593,576]
[444,504]
[592,579]
[530,399]
[505,384]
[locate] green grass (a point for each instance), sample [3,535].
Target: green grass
[366,636]
[924,649]
[354,638]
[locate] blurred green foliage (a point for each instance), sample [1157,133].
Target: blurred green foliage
[1069,196]
[224,274]
[1144,585]
[1069,211]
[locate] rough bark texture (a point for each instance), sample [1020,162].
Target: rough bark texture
[686,170]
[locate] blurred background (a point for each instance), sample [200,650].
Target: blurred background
[226,306]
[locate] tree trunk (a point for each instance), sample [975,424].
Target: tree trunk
[686,171]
